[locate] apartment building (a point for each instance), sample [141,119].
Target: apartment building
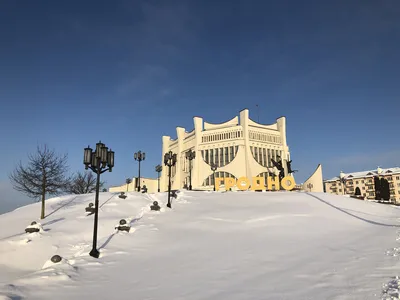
[346,183]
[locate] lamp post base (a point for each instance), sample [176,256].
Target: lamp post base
[190,187]
[169,205]
[94,253]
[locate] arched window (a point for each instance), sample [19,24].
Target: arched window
[209,181]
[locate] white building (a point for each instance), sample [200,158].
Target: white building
[239,147]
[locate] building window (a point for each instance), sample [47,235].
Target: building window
[210,179]
[231,155]
[269,158]
[362,181]
[357,182]
[265,157]
[221,157]
[206,156]
[211,156]
[226,156]
[216,157]
[255,154]
[397,177]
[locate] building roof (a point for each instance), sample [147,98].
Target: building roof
[370,173]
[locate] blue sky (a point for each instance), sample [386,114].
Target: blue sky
[128,72]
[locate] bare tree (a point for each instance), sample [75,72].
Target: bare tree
[45,173]
[83,183]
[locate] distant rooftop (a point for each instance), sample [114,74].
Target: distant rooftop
[370,173]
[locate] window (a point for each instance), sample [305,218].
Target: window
[357,182]
[269,158]
[216,157]
[206,156]
[211,156]
[397,177]
[264,157]
[255,154]
[362,181]
[221,157]
[226,156]
[231,155]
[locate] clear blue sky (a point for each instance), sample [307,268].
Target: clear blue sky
[128,72]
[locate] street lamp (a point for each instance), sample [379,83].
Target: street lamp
[158,170]
[214,168]
[97,162]
[169,161]
[190,155]
[139,156]
[128,181]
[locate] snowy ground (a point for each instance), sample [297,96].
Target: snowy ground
[243,245]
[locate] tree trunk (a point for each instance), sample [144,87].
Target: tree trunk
[43,198]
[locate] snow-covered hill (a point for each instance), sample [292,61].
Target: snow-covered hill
[243,245]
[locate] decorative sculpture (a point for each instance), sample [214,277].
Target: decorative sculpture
[56,258]
[90,209]
[123,226]
[122,196]
[155,206]
[173,194]
[289,167]
[34,227]
[279,166]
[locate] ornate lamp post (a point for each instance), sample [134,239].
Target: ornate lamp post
[190,155]
[158,170]
[139,156]
[128,181]
[213,168]
[169,161]
[100,161]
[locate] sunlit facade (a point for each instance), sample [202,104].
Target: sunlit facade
[239,147]
[347,183]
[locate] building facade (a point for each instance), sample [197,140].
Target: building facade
[239,147]
[150,183]
[315,182]
[346,184]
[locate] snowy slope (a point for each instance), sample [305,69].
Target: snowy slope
[243,245]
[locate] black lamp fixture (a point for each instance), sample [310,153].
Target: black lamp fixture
[158,170]
[170,161]
[214,168]
[139,156]
[190,155]
[99,161]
